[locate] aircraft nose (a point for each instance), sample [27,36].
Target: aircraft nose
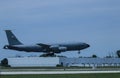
[88,45]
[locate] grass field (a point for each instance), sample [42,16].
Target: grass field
[115,75]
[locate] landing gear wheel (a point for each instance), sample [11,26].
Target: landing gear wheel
[48,55]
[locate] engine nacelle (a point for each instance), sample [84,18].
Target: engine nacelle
[58,49]
[62,49]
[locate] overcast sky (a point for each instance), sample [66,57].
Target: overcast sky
[96,22]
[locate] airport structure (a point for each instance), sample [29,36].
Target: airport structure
[67,62]
[90,62]
[33,62]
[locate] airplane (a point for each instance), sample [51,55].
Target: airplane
[47,49]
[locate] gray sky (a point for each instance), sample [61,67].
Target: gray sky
[96,22]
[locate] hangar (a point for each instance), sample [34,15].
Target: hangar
[63,61]
[33,61]
[90,62]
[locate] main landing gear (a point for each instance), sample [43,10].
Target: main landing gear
[48,55]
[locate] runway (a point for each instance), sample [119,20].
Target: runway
[55,72]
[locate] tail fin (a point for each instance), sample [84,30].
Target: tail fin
[12,40]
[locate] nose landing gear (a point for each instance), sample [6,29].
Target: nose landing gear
[79,52]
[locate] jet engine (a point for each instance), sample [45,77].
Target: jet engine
[58,49]
[63,49]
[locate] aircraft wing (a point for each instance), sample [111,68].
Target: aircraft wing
[53,48]
[44,45]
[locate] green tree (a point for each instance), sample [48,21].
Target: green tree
[94,56]
[4,62]
[118,53]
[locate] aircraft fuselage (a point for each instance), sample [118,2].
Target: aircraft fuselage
[56,48]
[15,44]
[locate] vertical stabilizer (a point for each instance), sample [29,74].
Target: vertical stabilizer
[12,40]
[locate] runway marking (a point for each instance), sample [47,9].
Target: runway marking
[57,72]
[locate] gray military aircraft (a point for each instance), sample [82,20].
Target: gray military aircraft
[48,49]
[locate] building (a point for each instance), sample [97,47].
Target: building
[90,62]
[54,61]
[33,62]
